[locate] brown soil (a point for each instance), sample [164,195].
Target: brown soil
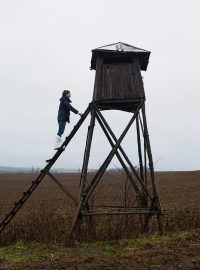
[179,191]
[174,254]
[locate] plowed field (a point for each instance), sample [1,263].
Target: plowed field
[49,212]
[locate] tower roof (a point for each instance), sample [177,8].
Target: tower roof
[121,49]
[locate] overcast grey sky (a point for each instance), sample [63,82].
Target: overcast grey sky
[45,47]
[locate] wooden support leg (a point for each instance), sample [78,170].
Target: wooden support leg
[144,151]
[160,226]
[144,198]
[91,226]
[148,216]
[87,152]
[157,215]
[157,204]
[78,218]
[139,149]
[83,179]
[151,167]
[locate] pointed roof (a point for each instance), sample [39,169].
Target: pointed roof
[120,46]
[121,49]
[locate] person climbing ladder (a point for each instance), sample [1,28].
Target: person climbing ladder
[64,116]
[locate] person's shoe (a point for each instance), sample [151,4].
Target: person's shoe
[58,142]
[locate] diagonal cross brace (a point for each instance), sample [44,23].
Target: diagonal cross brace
[118,156]
[105,164]
[124,154]
[62,188]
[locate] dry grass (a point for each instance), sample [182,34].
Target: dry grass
[48,214]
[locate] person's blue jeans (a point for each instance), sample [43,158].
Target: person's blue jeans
[61,128]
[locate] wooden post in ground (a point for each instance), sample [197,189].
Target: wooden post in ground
[156,200]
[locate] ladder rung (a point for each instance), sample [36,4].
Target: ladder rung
[60,148]
[35,182]
[26,192]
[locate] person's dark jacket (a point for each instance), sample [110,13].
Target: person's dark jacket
[64,109]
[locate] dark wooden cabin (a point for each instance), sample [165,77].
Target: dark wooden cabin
[118,81]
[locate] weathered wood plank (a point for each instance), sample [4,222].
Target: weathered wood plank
[118,211]
[118,81]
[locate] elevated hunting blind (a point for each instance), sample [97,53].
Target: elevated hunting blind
[118,86]
[118,80]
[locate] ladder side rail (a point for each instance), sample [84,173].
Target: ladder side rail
[67,140]
[42,174]
[21,201]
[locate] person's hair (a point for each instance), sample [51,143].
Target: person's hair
[65,92]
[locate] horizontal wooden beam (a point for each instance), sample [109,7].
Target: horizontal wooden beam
[118,211]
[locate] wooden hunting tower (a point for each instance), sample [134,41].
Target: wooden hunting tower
[118,81]
[118,86]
